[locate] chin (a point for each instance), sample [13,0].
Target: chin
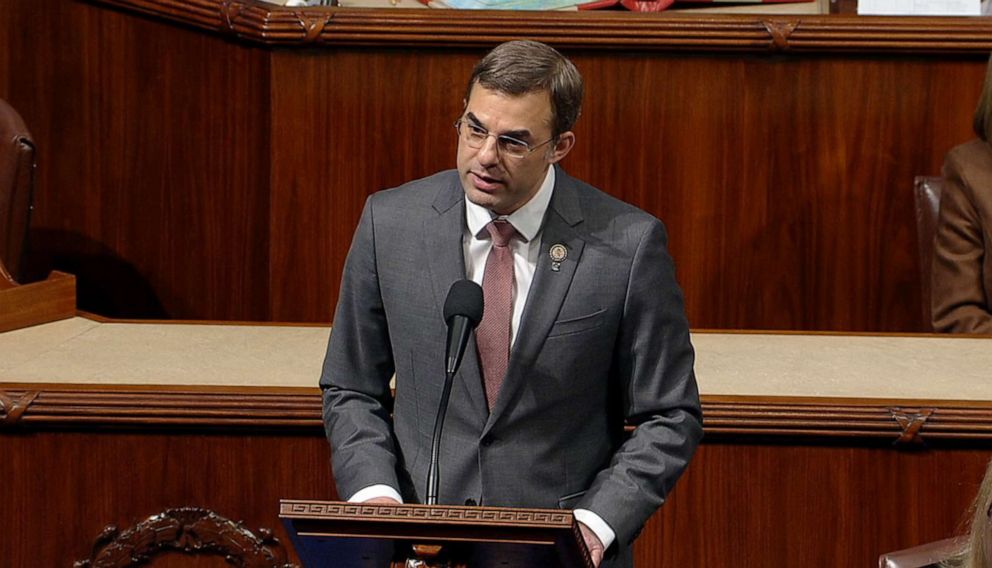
[481,198]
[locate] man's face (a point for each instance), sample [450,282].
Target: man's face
[498,182]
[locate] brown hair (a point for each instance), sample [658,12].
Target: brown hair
[523,66]
[982,122]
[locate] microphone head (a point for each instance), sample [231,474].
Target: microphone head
[464,299]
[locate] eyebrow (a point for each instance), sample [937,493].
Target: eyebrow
[522,134]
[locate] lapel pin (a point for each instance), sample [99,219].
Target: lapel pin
[558,253]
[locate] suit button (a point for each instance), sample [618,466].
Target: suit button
[470,502]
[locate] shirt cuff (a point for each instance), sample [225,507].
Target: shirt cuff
[373,491]
[597,525]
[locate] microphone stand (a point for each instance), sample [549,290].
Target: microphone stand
[432,474]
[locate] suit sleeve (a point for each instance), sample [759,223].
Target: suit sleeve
[357,368]
[958,299]
[653,363]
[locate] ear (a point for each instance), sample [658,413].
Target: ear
[562,147]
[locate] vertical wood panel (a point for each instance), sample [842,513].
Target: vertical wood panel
[785,182]
[357,121]
[152,159]
[63,488]
[757,505]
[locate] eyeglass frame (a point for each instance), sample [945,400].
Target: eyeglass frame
[498,137]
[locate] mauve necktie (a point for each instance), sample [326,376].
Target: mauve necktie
[493,334]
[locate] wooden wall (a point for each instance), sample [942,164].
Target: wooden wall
[826,484]
[186,173]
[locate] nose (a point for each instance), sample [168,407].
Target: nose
[489,152]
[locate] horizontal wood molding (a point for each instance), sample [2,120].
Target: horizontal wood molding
[901,422]
[154,409]
[277,26]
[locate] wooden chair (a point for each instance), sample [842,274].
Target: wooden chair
[17,166]
[927,192]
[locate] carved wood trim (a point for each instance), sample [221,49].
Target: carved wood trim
[413,522]
[13,405]
[38,406]
[189,530]
[160,408]
[911,422]
[493,516]
[866,419]
[278,26]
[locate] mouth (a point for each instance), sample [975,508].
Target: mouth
[485,183]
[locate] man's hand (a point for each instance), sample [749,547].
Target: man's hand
[593,544]
[382,501]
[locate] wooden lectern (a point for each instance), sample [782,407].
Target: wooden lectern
[332,533]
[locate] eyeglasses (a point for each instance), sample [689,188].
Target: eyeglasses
[475,136]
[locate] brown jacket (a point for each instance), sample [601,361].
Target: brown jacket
[962,263]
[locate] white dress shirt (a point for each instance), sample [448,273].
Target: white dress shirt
[526,247]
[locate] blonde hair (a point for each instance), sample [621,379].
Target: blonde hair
[978,549]
[982,121]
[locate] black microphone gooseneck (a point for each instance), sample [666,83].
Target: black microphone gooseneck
[462,312]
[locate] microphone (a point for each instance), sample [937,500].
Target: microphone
[462,312]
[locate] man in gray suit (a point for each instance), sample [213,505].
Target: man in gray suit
[584,327]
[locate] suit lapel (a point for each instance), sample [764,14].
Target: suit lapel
[547,291]
[443,235]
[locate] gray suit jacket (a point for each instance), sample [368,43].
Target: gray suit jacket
[602,341]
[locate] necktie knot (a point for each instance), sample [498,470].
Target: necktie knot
[501,232]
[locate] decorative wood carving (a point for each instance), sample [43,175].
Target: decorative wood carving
[441,525]
[780,32]
[13,405]
[911,422]
[231,11]
[414,513]
[271,25]
[189,530]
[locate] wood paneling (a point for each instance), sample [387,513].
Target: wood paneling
[791,498]
[358,121]
[786,183]
[62,488]
[184,174]
[152,182]
[820,506]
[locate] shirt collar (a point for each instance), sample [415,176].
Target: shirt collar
[526,220]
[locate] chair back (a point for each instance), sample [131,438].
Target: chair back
[16,193]
[927,196]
